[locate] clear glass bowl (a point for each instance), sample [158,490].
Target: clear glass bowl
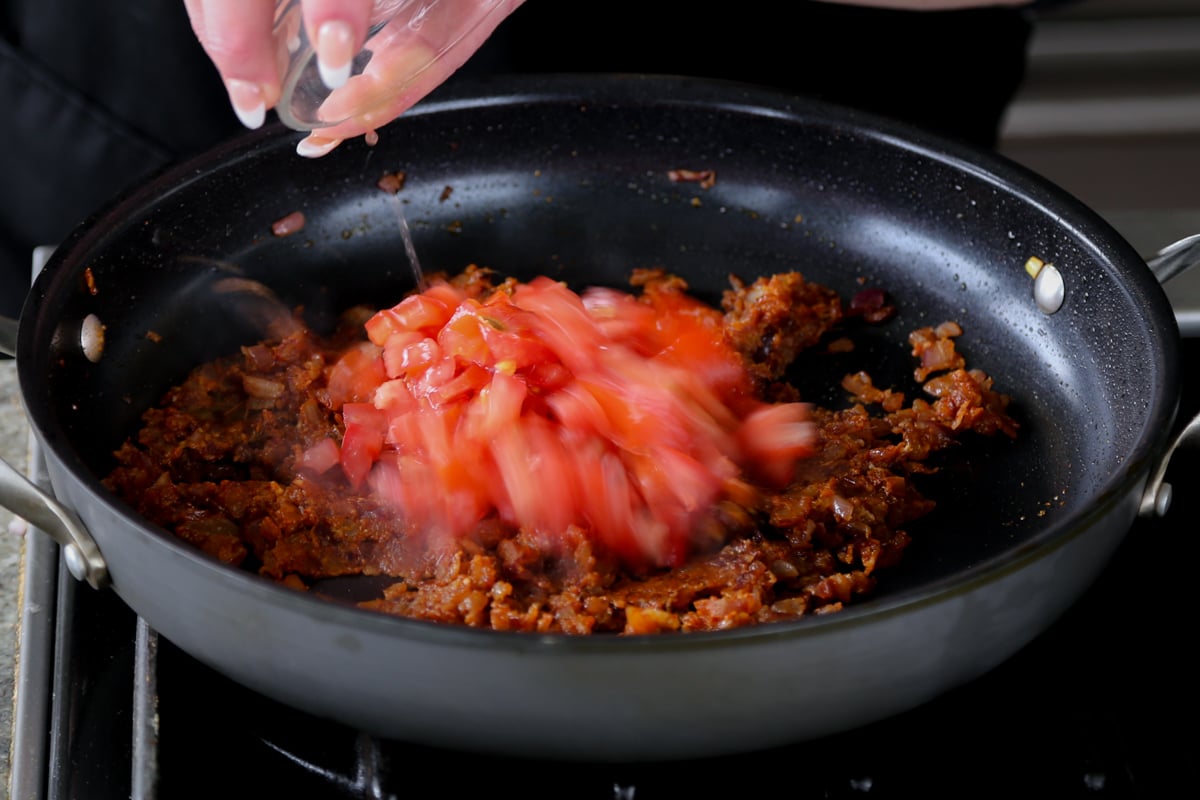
[404,39]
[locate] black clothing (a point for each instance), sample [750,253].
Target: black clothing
[99,95]
[952,71]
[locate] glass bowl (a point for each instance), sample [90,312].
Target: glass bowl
[404,39]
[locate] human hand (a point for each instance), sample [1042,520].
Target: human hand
[238,36]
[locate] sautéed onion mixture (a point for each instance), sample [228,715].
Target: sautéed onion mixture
[518,456]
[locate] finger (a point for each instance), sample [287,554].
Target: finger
[237,36]
[337,30]
[316,145]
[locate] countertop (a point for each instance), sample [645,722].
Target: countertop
[14,446]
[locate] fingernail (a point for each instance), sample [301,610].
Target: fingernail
[335,51]
[316,146]
[248,103]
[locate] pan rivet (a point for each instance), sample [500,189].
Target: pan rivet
[75,563]
[1048,287]
[1162,500]
[91,338]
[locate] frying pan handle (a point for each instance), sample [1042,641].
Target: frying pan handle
[27,501]
[1156,498]
[1168,262]
[1175,258]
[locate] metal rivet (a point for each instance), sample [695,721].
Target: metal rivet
[75,562]
[1162,500]
[1049,289]
[91,338]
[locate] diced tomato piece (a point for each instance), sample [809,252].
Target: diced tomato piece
[623,318]
[578,409]
[394,348]
[407,484]
[672,305]
[382,325]
[706,354]
[547,376]
[394,397]
[774,437]
[653,538]
[470,380]
[495,407]
[356,375]
[449,295]
[675,490]
[364,415]
[403,433]
[435,433]
[638,416]
[672,477]
[608,500]
[416,357]
[561,322]
[420,312]
[462,337]
[536,477]
[362,441]
[319,458]
[386,482]
[429,381]
[513,353]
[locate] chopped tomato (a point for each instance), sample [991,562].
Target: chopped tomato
[469,381]
[627,417]
[495,407]
[462,335]
[409,357]
[537,477]
[609,502]
[363,441]
[320,457]
[774,437]
[356,375]
[449,295]
[395,351]
[419,312]
[395,397]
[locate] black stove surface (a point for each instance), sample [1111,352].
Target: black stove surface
[1097,706]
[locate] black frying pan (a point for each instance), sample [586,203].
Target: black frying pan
[567,176]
